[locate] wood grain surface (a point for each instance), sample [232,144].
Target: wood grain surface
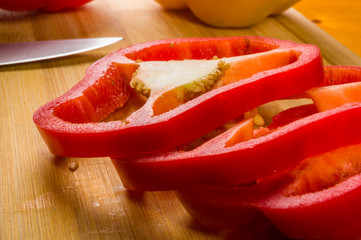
[340,19]
[42,197]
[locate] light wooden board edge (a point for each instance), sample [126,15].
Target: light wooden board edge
[332,50]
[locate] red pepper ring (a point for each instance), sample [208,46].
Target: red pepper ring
[333,211]
[70,127]
[317,199]
[215,165]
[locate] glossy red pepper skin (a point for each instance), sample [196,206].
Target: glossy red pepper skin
[214,207]
[69,124]
[236,206]
[330,213]
[214,165]
[43,5]
[59,5]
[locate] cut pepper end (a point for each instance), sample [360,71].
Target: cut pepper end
[111,91]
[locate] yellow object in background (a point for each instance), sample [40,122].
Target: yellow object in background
[230,13]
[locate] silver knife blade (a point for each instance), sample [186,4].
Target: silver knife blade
[21,52]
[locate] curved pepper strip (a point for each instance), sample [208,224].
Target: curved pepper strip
[331,212]
[235,206]
[70,127]
[228,207]
[213,164]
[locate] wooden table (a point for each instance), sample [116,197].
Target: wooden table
[40,197]
[340,19]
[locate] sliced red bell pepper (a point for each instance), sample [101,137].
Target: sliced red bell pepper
[214,164]
[223,207]
[322,197]
[70,124]
[317,199]
[291,115]
[235,206]
[43,5]
[324,206]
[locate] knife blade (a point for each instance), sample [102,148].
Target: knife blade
[21,52]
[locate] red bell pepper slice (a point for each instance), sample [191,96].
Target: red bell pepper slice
[213,164]
[234,206]
[43,5]
[324,205]
[70,124]
[332,212]
[222,207]
[318,199]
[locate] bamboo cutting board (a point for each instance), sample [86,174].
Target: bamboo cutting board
[41,197]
